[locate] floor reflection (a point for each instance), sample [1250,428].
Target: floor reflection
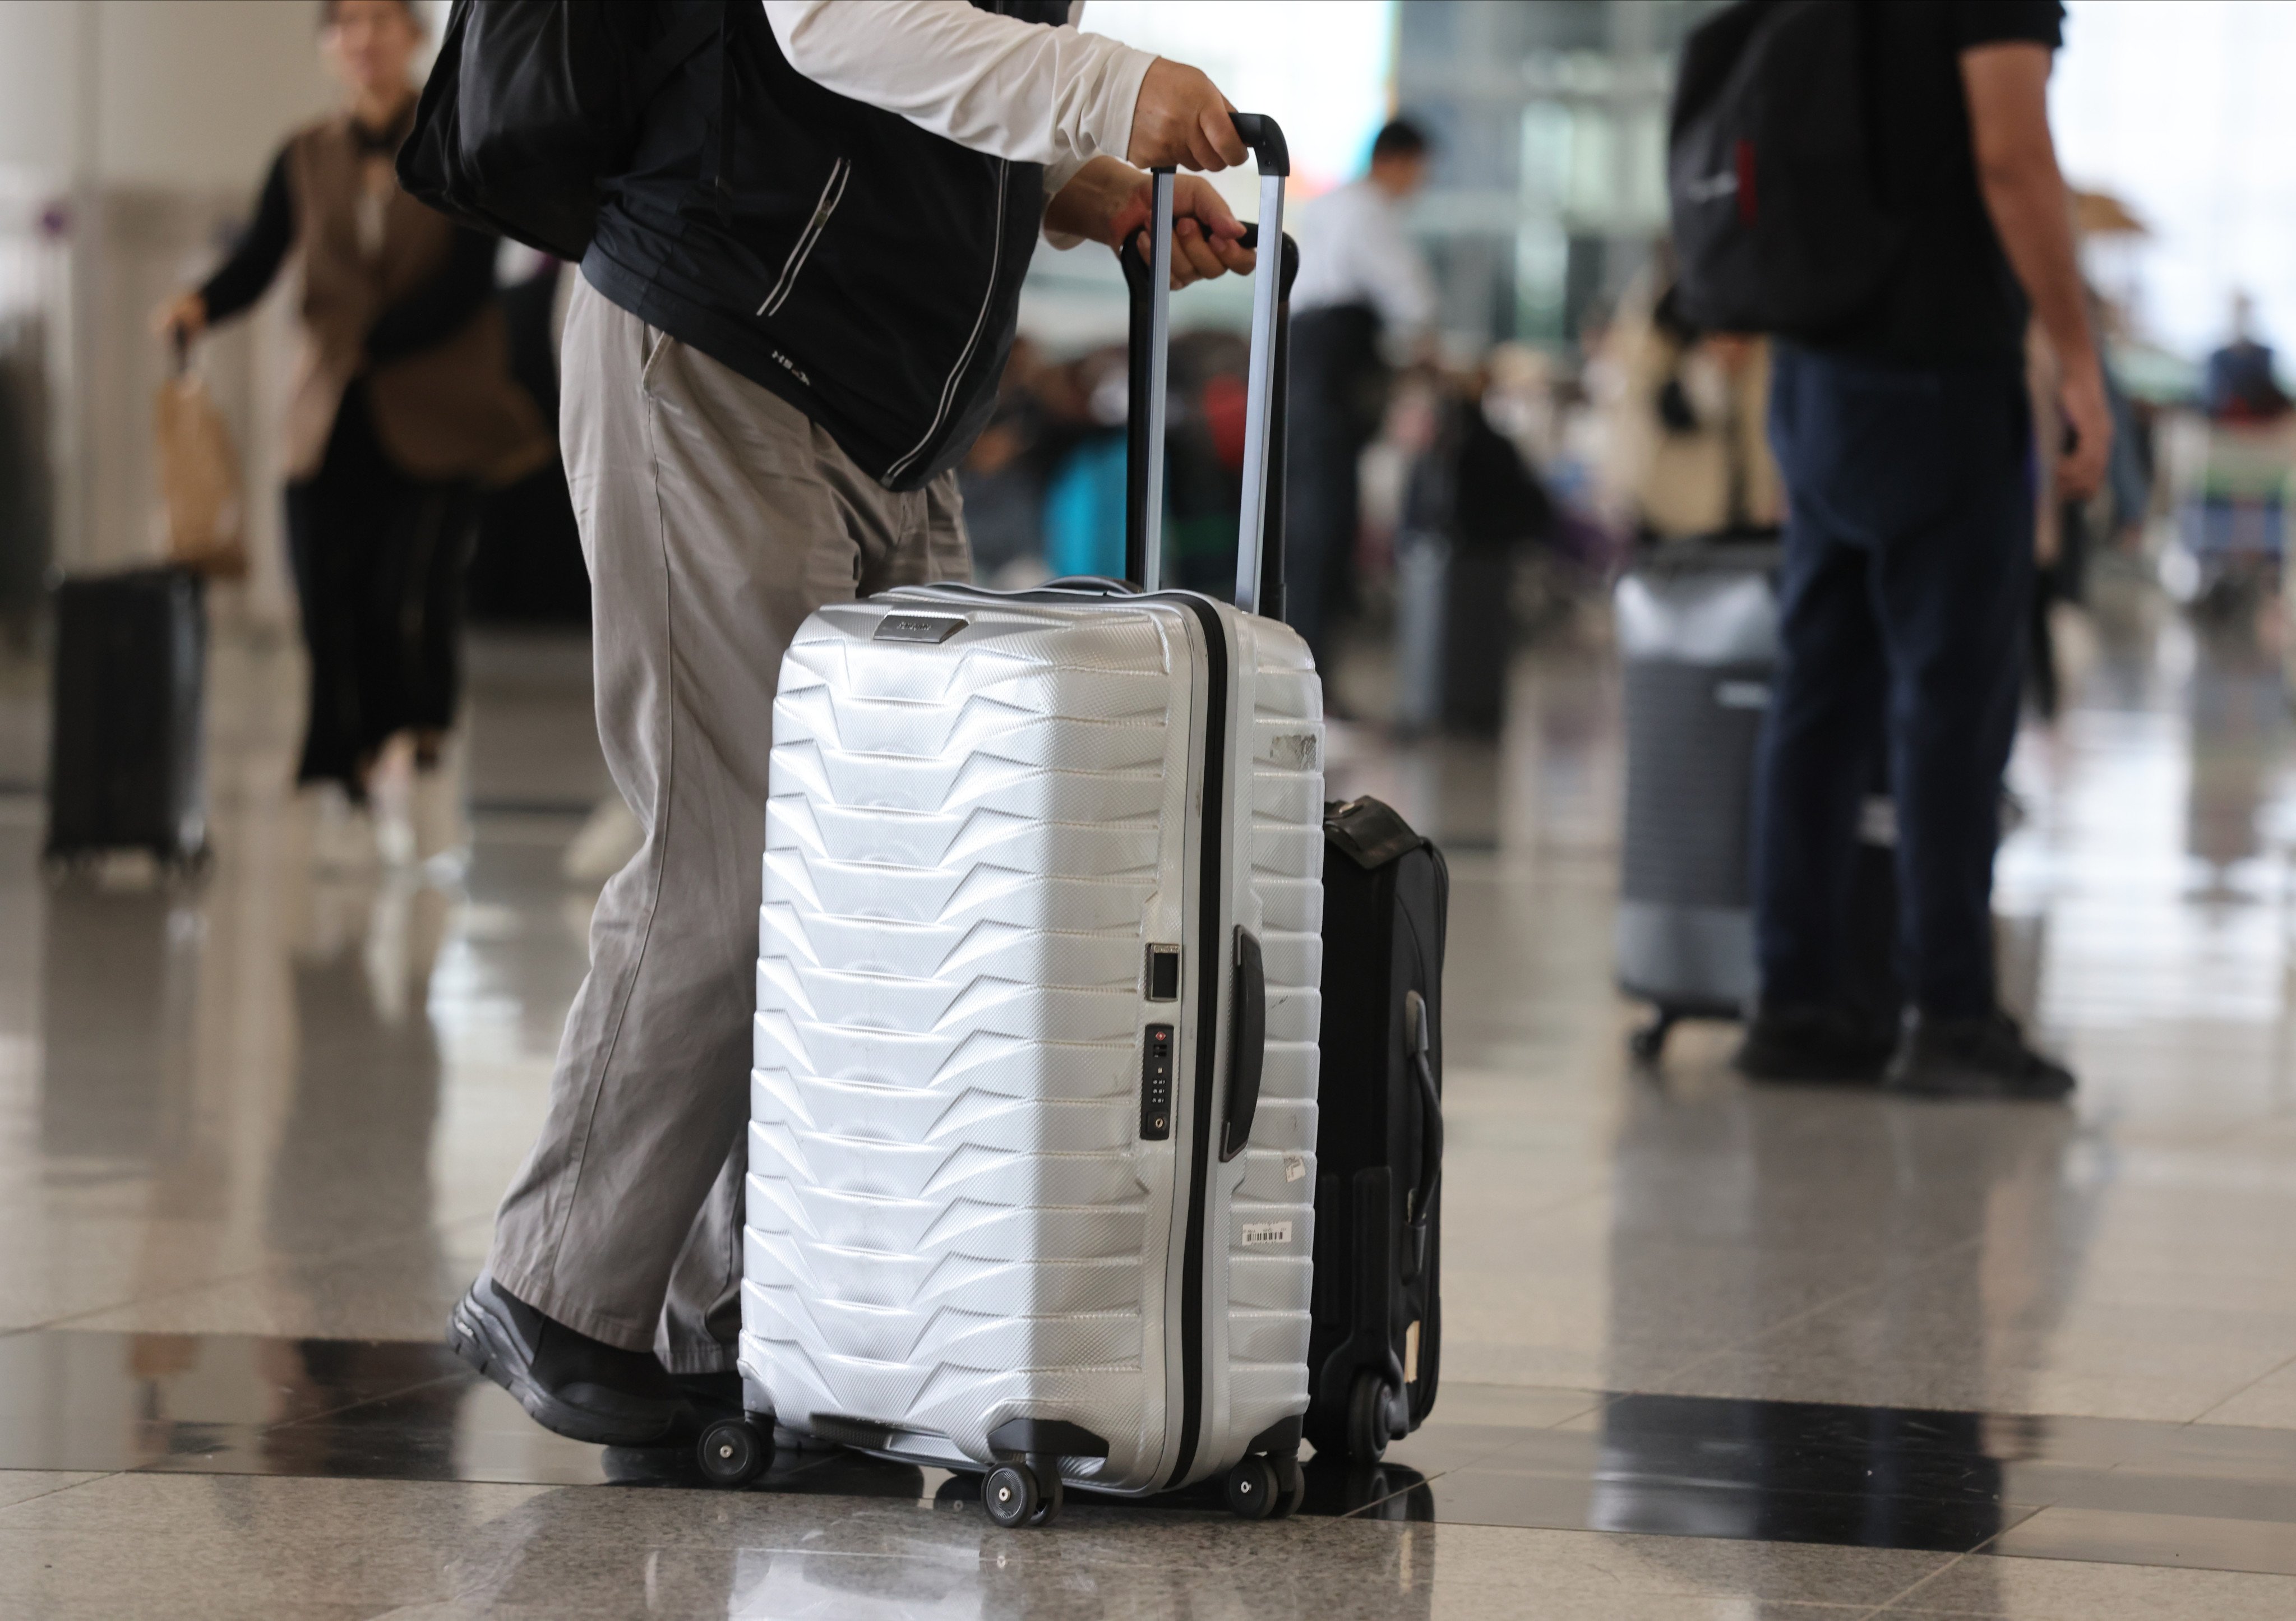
[1683,1466]
[353,1151]
[119,987]
[2236,702]
[1797,1472]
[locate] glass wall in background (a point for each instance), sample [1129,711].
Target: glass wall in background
[1550,184]
[2182,111]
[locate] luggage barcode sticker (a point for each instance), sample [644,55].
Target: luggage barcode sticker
[1266,1232]
[1295,1169]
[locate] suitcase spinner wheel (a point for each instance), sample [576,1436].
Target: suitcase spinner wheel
[1367,1405]
[1264,1488]
[734,1451]
[1022,1495]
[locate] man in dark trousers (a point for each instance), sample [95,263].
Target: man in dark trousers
[1907,446]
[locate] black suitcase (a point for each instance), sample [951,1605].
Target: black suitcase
[1455,629]
[1471,505]
[124,750]
[1376,1338]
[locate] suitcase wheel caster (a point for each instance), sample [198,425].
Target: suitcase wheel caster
[734,1451]
[1367,1426]
[1014,1496]
[1253,1490]
[1291,1487]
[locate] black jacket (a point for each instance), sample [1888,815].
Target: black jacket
[864,270]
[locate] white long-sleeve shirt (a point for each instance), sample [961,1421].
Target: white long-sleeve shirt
[1056,96]
[1354,250]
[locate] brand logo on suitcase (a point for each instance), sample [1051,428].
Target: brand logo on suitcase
[1256,1234]
[931,629]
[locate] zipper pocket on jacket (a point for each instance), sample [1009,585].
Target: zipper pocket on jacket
[832,192]
[980,324]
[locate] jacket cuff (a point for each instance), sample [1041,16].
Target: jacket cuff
[1109,130]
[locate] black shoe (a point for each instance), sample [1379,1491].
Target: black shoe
[713,1396]
[1806,1044]
[1984,1057]
[579,1387]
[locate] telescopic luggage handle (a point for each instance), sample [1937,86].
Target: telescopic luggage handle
[1259,528]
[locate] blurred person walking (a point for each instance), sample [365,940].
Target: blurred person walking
[1904,439]
[801,290]
[403,404]
[1364,299]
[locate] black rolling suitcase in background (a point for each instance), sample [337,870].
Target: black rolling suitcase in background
[1377,1321]
[123,750]
[1453,630]
[1473,504]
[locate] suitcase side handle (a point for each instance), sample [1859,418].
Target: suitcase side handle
[1247,1048]
[1419,1204]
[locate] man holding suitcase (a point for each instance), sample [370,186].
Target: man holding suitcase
[1906,446]
[788,330]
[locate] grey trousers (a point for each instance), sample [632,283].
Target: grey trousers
[714,518]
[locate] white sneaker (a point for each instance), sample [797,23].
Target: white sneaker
[436,817]
[342,834]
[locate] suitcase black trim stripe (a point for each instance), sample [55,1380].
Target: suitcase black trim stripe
[1211,965]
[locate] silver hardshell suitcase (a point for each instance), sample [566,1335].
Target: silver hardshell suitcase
[1031,1152]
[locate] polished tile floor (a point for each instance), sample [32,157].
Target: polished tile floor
[1710,1351]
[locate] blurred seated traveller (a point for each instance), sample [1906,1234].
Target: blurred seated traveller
[1687,442]
[1363,297]
[402,404]
[2238,383]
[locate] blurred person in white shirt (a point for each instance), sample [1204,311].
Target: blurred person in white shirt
[1364,302]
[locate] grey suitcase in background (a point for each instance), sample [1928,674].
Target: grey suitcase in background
[1698,635]
[125,767]
[1698,638]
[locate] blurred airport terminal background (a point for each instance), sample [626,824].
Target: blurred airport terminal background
[1712,1349]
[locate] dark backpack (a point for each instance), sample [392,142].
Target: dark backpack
[532,103]
[1778,225]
